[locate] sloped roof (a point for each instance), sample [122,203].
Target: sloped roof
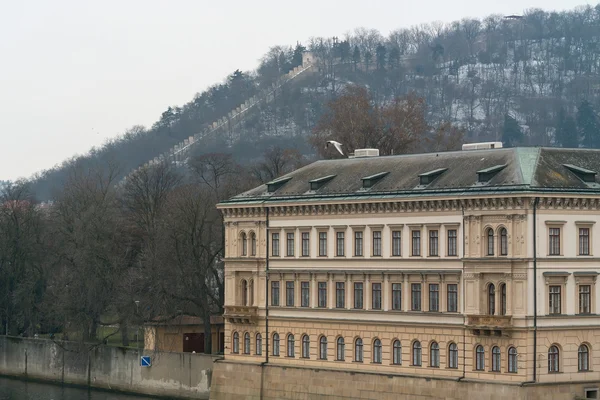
[512,170]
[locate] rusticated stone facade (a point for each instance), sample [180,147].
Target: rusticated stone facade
[494,285]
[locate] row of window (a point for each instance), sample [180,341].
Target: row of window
[555,299]
[376,249]
[583,353]
[376,295]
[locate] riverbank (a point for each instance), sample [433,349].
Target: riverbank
[175,375]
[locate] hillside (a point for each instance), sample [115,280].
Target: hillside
[537,68]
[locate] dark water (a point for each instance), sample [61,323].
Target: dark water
[12,389]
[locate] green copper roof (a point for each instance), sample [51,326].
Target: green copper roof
[527,158]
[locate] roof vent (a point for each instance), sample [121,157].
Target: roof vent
[362,153]
[482,146]
[369,181]
[584,174]
[316,184]
[428,177]
[277,183]
[485,175]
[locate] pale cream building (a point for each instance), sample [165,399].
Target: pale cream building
[477,265]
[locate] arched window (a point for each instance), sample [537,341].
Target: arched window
[397,352]
[503,299]
[377,351]
[290,345]
[553,361]
[250,293]
[512,360]
[253,244]
[236,342]
[258,344]
[479,358]
[244,243]
[490,242]
[276,344]
[416,353]
[305,346]
[496,356]
[491,299]
[453,356]
[583,358]
[503,242]
[246,343]
[434,355]
[323,348]
[244,292]
[341,349]
[358,350]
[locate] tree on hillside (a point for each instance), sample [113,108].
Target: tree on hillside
[589,126]
[566,130]
[397,127]
[512,135]
[276,162]
[356,57]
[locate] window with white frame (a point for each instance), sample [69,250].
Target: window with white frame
[339,244]
[358,243]
[305,346]
[416,353]
[376,243]
[358,295]
[377,350]
[376,296]
[275,244]
[512,360]
[396,243]
[322,244]
[358,350]
[340,295]
[433,243]
[341,349]
[289,293]
[416,243]
[305,294]
[276,344]
[496,359]
[452,243]
[305,244]
[553,359]
[434,297]
[322,294]
[258,344]
[453,356]
[290,244]
[554,241]
[479,358]
[584,241]
[397,352]
[396,296]
[452,294]
[434,355]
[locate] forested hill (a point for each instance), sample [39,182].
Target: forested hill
[531,79]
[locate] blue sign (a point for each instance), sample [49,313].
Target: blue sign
[145,361]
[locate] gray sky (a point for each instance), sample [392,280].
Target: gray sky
[74,73]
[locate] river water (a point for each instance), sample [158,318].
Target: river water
[13,389]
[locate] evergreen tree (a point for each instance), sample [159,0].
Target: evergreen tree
[511,132]
[356,57]
[344,50]
[297,56]
[380,54]
[566,131]
[589,127]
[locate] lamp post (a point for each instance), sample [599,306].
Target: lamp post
[137,331]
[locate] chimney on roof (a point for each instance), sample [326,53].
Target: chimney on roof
[362,153]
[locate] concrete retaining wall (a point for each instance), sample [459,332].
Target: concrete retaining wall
[182,375]
[232,381]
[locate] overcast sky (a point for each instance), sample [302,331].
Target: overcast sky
[74,73]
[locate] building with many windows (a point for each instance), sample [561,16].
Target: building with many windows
[478,265]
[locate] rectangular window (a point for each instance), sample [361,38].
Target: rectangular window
[322,294]
[358,295]
[376,296]
[396,243]
[339,244]
[584,241]
[452,297]
[396,296]
[305,244]
[322,244]
[554,300]
[584,299]
[275,293]
[452,243]
[275,244]
[305,294]
[340,295]
[358,244]
[416,243]
[415,304]
[289,293]
[434,297]
[554,242]
[377,243]
[290,244]
[433,243]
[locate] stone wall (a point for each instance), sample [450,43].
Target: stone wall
[246,381]
[183,375]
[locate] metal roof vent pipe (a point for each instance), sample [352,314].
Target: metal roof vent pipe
[362,153]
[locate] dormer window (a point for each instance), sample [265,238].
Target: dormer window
[318,183]
[585,175]
[485,175]
[369,181]
[277,183]
[428,177]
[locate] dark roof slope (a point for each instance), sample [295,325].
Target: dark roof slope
[508,169]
